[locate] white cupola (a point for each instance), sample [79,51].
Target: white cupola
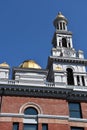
[60,22]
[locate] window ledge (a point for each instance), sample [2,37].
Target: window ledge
[77,119]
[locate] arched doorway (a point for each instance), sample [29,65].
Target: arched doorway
[70,79]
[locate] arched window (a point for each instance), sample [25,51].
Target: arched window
[34,124]
[70,79]
[30,111]
[64,42]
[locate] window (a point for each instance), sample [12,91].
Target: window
[60,25]
[44,127]
[70,79]
[75,110]
[57,26]
[64,26]
[60,44]
[15,126]
[64,42]
[78,81]
[77,128]
[69,45]
[30,127]
[32,122]
[30,111]
[83,81]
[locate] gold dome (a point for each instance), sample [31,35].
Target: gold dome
[4,64]
[30,64]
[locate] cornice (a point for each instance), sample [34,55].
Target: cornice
[44,92]
[18,69]
[52,59]
[63,32]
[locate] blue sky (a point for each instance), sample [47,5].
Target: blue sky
[26,28]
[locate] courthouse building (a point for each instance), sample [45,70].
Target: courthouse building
[54,98]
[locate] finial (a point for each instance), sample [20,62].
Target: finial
[59,13]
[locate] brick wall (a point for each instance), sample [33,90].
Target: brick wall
[58,127]
[48,106]
[5,126]
[84,109]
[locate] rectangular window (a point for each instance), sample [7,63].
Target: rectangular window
[44,126]
[75,110]
[15,126]
[83,81]
[57,26]
[64,26]
[30,127]
[60,25]
[78,81]
[77,128]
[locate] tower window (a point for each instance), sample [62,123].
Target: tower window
[57,26]
[64,42]
[78,81]
[69,45]
[83,81]
[60,25]
[60,44]
[70,79]
[75,110]
[64,26]
[30,111]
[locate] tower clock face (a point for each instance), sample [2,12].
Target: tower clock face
[67,53]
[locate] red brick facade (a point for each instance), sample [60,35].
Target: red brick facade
[48,106]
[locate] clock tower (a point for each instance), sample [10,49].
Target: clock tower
[66,66]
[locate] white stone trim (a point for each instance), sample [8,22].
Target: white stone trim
[53,117]
[30,121]
[43,116]
[31,104]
